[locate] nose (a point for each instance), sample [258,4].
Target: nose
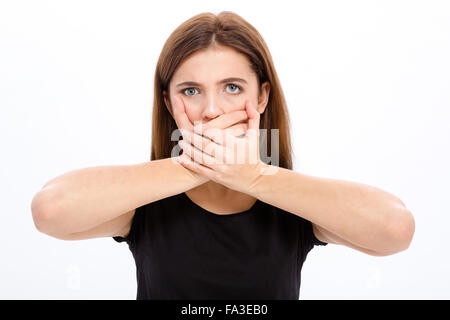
[212,109]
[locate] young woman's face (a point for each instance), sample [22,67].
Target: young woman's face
[215,81]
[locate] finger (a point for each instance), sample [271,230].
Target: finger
[225,139]
[238,130]
[253,119]
[196,154]
[203,144]
[198,168]
[215,134]
[226,120]
[180,115]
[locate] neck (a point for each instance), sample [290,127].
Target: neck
[214,190]
[217,197]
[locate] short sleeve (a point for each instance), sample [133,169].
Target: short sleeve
[307,238]
[137,225]
[315,241]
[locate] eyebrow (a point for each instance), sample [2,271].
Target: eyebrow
[192,83]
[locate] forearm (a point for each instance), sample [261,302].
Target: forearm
[82,199]
[363,215]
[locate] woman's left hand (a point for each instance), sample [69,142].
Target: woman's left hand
[224,158]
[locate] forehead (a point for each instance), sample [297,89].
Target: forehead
[214,63]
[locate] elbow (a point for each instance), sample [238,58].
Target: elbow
[401,232]
[406,230]
[43,211]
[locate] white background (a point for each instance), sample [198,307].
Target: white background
[367,85]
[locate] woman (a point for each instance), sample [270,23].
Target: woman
[206,226]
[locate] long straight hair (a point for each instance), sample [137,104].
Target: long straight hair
[231,30]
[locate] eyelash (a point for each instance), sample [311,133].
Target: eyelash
[239,87]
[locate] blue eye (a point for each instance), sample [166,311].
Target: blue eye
[234,85]
[189,90]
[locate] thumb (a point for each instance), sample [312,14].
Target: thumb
[181,118]
[178,105]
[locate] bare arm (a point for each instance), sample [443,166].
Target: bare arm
[100,201]
[359,216]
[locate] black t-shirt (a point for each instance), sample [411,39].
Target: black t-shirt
[183,251]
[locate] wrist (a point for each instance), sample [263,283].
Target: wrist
[262,180]
[195,178]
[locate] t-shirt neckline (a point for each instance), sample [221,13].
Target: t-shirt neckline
[221,216]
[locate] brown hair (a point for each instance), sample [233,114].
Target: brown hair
[200,32]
